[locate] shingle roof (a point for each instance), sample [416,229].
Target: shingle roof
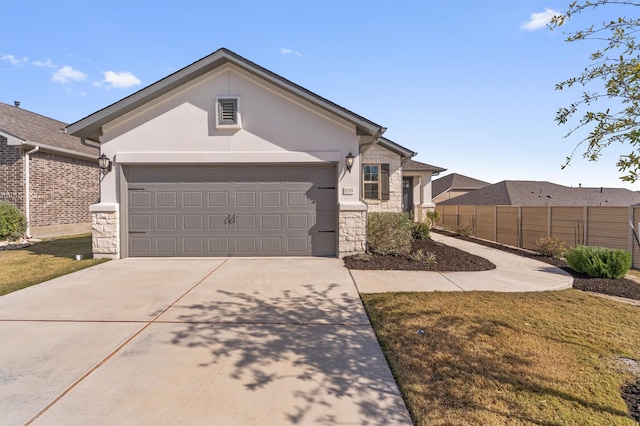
[541,193]
[38,129]
[417,166]
[455,181]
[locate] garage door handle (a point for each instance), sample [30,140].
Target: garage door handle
[230,219]
[137,232]
[327,231]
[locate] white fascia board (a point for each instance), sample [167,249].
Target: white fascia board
[63,151]
[11,139]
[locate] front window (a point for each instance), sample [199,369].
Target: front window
[371,180]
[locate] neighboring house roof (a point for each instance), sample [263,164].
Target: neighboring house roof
[540,193]
[22,127]
[456,181]
[417,166]
[90,127]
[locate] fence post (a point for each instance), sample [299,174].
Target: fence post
[549,213]
[585,226]
[495,223]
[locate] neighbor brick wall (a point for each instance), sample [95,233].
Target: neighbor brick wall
[379,155]
[11,174]
[62,189]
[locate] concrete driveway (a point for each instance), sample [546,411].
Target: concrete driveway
[227,342]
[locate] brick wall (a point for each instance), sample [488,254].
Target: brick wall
[62,189]
[11,174]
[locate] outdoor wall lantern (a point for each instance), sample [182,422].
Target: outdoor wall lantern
[104,163]
[349,161]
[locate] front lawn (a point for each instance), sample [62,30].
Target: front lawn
[44,261]
[482,358]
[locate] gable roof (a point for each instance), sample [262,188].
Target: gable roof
[455,181]
[541,193]
[22,127]
[403,152]
[417,166]
[90,127]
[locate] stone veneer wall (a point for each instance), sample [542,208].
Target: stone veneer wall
[379,155]
[106,233]
[352,228]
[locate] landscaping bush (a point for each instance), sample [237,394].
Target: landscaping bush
[599,262]
[433,216]
[420,231]
[551,247]
[465,232]
[13,224]
[389,233]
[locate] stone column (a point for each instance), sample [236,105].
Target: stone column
[105,220]
[352,230]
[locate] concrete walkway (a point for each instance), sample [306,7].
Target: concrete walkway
[195,342]
[513,273]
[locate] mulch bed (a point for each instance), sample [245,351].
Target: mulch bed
[448,259]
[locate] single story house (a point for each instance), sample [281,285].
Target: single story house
[226,158]
[49,175]
[453,185]
[541,193]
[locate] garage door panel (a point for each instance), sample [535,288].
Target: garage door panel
[245,199]
[166,199]
[229,211]
[192,199]
[218,199]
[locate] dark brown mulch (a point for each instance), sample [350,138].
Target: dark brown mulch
[447,259]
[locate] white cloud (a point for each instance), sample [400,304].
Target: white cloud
[285,51]
[45,64]
[67,74]
[120,80]
[13,60]
[539,20]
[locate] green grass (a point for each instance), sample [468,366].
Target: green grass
[44,261]
[503,358]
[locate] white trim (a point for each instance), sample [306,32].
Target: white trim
[104,208]
[352,207]
[228,157]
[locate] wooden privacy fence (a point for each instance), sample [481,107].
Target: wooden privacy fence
[522,226]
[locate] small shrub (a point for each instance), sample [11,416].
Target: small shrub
[423,257]
[420,231]
[13,224]
[599,262]
[466,232]
[389,233]
[550,247]
[433,216]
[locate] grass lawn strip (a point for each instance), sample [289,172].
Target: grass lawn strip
[44,261]
[482,358]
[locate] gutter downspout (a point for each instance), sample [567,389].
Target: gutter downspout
[27,189]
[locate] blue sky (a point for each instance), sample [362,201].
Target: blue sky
[465,84]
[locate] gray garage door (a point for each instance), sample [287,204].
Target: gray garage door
[231,211]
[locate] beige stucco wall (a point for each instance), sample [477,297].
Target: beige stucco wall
[180,127]
[277,127]
[379,155]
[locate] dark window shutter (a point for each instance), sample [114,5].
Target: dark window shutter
[384,181]
[227,111]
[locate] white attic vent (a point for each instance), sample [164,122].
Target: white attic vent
[228,113]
